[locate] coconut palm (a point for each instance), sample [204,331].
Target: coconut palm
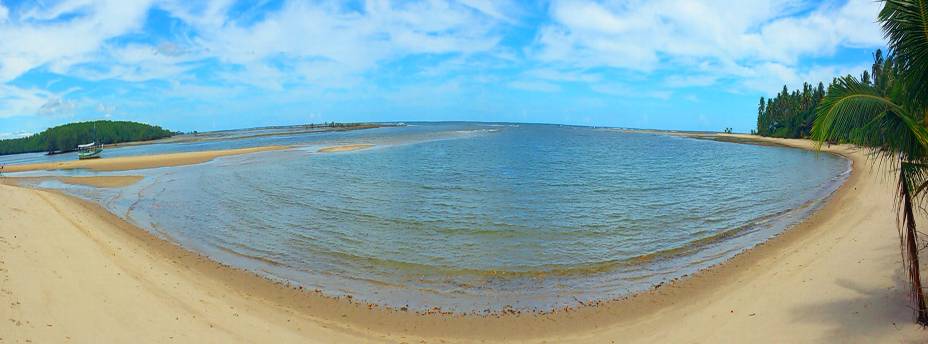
[888,116]
[905,24]
[882,117]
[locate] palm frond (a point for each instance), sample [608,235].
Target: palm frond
[918,178]
[905,23]
[857,113]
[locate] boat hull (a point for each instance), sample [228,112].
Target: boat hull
[90,155]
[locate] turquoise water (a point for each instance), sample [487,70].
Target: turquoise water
[474,217]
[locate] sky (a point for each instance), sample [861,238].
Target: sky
[210,65]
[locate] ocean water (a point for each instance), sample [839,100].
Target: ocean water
[476,217]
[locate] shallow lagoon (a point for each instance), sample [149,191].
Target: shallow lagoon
[470,217]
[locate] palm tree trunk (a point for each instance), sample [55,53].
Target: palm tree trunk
[909,242]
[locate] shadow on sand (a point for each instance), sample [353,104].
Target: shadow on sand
[871,312]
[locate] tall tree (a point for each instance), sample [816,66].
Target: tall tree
[790,114]
[761,118]
[875,71]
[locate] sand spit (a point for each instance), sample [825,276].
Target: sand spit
[138,162]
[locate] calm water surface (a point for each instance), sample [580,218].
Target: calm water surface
[471,217]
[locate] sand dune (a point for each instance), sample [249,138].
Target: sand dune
[71,271]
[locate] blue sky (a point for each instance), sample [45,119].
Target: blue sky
[207,65]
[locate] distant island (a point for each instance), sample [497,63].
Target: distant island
[65,138]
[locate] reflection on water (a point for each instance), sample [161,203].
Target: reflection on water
[472,217]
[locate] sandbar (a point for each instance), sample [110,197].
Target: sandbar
[345,148]
[138,162]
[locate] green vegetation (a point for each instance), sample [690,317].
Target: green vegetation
[887,113]
[65,138]
[789,114]
[792,114]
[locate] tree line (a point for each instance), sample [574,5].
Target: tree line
[336,125]
[792,114]
[65,138]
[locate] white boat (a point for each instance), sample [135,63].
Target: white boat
[89,151]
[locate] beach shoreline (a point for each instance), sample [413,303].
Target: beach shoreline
[714,302]
[94,181]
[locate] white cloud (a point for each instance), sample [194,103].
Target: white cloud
[721,38]
[622,90]
[323,45]
[856,21]
[136,62]
[4,13]
[304,44]
[71,35]
[24,101]
[549,80]
[308,37]
[57,107]
[493,8]
[38,40]
[770,77]
[821,32]
[15,101]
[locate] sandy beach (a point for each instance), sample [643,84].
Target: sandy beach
[71,271]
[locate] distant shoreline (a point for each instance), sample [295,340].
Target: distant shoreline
[215,135]
[754,296]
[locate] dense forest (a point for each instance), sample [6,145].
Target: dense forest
[65,138]
[791,114]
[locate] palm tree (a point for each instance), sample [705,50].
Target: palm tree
[905,24]
[884,117]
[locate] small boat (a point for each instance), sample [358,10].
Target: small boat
[89,151]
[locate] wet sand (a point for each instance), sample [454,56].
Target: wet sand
[345,148]
[138,162]
[69,270]
[95,181]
